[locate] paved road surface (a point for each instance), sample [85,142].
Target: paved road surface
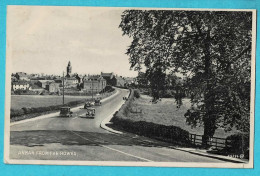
[77,138]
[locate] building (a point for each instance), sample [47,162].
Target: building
[53,87]
[71,82]
[94,83]
[36,89]
[58,81]
[110,78]
[43,83]
[20,85]
[130,81]
[120,81]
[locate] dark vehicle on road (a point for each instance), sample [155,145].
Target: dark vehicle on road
[88,104]
[65,112]
[97,102]
[91,112]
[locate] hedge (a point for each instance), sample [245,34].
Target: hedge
[238,144]
[171,134]
[26,110]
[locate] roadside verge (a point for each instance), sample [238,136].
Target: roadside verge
[106,121]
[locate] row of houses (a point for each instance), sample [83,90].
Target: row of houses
[52,83]
[87,83]
[39,86]
[119,81]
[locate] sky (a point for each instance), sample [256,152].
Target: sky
[43,39]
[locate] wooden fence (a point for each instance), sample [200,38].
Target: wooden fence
[218,143]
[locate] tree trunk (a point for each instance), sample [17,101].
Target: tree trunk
[209,118]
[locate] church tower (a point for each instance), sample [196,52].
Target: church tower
[69,68]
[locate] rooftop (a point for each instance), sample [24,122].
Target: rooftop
[20,83]
[107,74]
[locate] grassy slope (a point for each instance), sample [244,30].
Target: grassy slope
[166,112]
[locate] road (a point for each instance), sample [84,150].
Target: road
[79,139]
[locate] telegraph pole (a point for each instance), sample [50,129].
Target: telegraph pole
[102,93]
[63,90]
[92,88]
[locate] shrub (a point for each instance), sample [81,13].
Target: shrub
[26,110]
[136,93]
[238,144]
[109,89]
[19,92]
[16,112]
[168,94]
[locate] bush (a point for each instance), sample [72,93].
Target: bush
[16,112]
[238,144]
[136,93]
[109,89]
[26,110]
[168,94]
[19,91]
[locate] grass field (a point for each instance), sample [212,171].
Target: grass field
[20,101]
[33,101]
[165,112]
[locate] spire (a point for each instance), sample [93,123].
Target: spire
[69,69]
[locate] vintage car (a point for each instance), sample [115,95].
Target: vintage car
[91,112]
[88,104]
[97,102]
[65,112]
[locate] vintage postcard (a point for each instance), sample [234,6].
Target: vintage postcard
[130,86]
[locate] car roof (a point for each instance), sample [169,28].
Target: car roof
[91,108]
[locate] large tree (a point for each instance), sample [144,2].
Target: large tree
[211,48]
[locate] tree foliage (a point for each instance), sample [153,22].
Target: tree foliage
[211,48]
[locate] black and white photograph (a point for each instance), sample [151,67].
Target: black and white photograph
[116,86]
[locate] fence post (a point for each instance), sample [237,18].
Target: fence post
[216,143]
[194,140]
